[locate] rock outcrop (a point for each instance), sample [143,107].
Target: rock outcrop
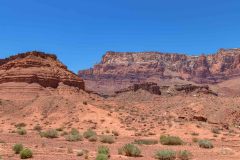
[125,69]
[153,88]
[37,67]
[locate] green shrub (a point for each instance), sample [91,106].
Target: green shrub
[74,135]
[184,155]
[103,150]
[146,141]
[130,150]
[165,155]
[51,133]
[107,139]
[26,153]
[89,133]
[74,131]
[205,144]
[170,140]
[102,157]
[21,131]
[17,148]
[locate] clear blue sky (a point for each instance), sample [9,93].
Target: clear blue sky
[80,31]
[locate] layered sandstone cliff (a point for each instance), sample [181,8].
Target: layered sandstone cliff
[37,67]
[118,70]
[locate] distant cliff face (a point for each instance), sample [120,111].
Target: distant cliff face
[37,67]
[123,69]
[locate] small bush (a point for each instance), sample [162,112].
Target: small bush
[165,155]
[51,133]
[184,155]
[103,150]
[205,144]
[21,131]
[26,153]
[89,133]
[102,157]
[17,148]
[74,131]
[107,139]
[170,140]
[74,135]
[146,141]
[130,150]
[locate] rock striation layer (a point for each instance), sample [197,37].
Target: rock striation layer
[123,69]
[37,67]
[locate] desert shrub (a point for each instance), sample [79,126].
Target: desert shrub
[21,131]
[205,144]
[26,153]
[93,139]
[107,139]
[103,150]
[102,157]
[146,141]
[17,148]
[184,155]
[89,133]
[130,150]
[51,133]
[115,133]
[165,155]
[20,125]
[37,128]
[170,140]
[74,135]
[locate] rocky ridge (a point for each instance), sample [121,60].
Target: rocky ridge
[124,69]
[37,67]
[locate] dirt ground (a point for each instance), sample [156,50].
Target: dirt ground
[133,115]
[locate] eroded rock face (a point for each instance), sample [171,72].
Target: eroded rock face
[150,87]
[129,68]
[37,67]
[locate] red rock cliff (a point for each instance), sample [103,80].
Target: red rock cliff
[134,67]
[37,67]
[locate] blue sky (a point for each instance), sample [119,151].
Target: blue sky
[79,32]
